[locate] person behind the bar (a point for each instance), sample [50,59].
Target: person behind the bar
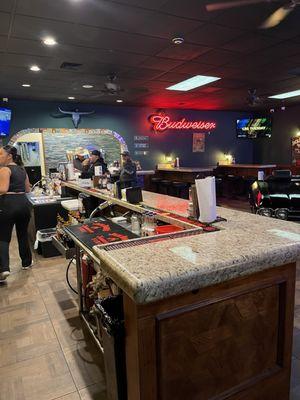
[96,160]
[81,154]
[128,175]
[14,208]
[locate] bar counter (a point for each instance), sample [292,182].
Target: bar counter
[183,174]
[245,244]
[187,169]
[245,169]
[209,315]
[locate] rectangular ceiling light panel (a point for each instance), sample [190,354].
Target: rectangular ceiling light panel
[286,95]
[192,83]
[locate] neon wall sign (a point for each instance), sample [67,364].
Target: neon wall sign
[162,122]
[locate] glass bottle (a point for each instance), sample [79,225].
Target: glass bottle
[135,224]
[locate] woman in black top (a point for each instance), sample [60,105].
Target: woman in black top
[14,208]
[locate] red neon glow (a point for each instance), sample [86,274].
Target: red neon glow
[163,122]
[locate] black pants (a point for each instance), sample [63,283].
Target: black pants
[14,210]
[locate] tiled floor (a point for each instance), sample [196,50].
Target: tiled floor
[44,352]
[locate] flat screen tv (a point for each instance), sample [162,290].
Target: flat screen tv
[253,128]
[5,118]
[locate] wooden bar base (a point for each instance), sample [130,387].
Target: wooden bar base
[229,341]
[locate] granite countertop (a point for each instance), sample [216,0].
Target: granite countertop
[150,200]
[245,244]
[165,203]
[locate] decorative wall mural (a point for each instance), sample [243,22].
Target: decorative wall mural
[58,141]
[75,115]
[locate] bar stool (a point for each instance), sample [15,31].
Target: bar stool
[248,181]
[234,186]
[180,189]
[219,185]
[165,186]
[155,182]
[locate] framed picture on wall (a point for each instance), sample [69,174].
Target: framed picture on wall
[296,150]
[198,142]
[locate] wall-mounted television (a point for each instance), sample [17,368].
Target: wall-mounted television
[253,128]
[5,118]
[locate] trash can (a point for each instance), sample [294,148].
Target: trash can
[110,325]
[43,243]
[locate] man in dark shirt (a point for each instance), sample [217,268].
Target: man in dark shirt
[96,160]
[128,171]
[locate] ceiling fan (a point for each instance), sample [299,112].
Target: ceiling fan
[273,20]
[111,87]
[253,99]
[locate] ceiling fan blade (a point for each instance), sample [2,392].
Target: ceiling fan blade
[277,16]
[231,4]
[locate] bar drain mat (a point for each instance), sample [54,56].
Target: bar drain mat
[152,239]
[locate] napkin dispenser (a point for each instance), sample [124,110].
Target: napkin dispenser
[134,195]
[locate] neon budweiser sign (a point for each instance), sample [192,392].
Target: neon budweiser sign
[163,122]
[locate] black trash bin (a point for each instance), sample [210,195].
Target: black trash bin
[111,330]
[44,244]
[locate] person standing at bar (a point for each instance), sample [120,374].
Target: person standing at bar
[14,208]
[96,160]
[128,175]
[80,155]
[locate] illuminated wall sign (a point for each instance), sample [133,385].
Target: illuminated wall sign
[161,123]
[254,128]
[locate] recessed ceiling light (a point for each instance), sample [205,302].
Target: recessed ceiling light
[71,98]
[35,68]
[178,40]
[192,83]
[286,95]
[49,41]
[87,86]
[26,85]
[119,101]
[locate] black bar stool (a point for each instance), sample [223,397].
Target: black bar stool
[180,189]
[155,182]
[219,185]
[234,186]
[165,186]
[248,181]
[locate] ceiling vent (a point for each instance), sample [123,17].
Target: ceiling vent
[70,66]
